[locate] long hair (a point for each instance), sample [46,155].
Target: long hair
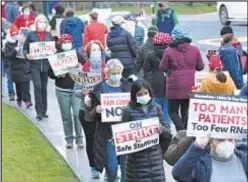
[136,87]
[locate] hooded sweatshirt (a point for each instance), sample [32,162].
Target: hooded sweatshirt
[211,85]
[231,62]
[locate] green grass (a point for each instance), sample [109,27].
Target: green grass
[180,9]
[26,154]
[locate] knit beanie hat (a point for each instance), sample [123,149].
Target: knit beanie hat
[161,38]
[152,30]
[14,30]
[225,30]
[182,31]
[117,20]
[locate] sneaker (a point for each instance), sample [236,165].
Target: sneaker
[19,103]
[106,178]
[11,97]
[44,115]
[80,143]
[69,145]
[94,173]
[28,104]
[39,118]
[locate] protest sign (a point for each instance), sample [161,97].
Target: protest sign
[135,136]
[23,33]
[113,104]
[41,50]
[199,76]
[129,26]
[56,32]
[221,116]
[103,14]
[62,61]
[87,79]
[140,15]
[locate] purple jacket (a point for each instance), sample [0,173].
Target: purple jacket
[180,63]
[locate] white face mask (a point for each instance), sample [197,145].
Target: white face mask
[143,99]
[26,13]
[225,149]
[53,11]
[66,46]
[41,26]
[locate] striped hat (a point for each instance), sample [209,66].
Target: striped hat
[161,38]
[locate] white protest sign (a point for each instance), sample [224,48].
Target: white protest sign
[135,136]
[42,50]
[129,26]
[113,104]
[56,32]
[62,61]
[140,14]
[23,33]
[221,116]
[87,79]
[200,76]
[103,14]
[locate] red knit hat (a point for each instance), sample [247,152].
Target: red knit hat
[65,37]
[14,30]
[214,63]
[161,38]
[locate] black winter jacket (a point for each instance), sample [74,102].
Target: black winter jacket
[19,68]
[152,75]
[122,46]
[59,14]
[41,64]
[146,165]
[103,130]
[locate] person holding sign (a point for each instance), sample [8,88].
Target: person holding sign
[94,50]
[212,160]
[104,151]
[217,81]
[19,68]
[147,164]
[39,68]
[68,102]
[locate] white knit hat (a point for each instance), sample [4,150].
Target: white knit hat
[117,20]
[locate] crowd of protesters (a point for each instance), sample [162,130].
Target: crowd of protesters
[165,66]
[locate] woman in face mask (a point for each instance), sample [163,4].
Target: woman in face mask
[39,68]
[220,161]
[68,102]
[145,165]
[19,68]
[25,20]
[104,151]
[94,51]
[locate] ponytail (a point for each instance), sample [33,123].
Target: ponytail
[221,77]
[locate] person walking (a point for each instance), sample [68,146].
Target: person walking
[25,20]
[154,76]
[39,68]
[180,61]
[166,18]
[122,46]
[11,11]
[19,69]
[73,26]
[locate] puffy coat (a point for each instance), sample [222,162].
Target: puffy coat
[153,76]
[41,64]
[19,68]
[231,62]
[20,21]
[75,27]
[122,46]
[59,14]
[103,130]
[11,11]
[142,53]
[146,165]
[180,64]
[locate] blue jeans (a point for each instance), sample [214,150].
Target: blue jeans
[163,102]
[69,108]
[112,164]
[6,70]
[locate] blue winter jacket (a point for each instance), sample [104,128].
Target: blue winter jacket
[196,164]
[75,27]
[11,11]
[231,62]
[244,91]
[122,46]
[139,35]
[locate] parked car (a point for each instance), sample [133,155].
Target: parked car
[232,11]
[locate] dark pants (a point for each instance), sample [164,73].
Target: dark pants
[40,80]
[89,131]
[174,107]
[127,72]
[23,92]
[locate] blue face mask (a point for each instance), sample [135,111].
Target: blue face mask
[143,99]
[95,59]
[115,78]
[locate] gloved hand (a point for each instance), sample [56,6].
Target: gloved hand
[87,101]
[202,142]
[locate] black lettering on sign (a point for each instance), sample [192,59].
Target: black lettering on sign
[114,111]
[135,125]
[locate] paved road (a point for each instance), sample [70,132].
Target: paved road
[204,26]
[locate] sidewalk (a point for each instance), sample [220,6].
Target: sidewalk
[52,129]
